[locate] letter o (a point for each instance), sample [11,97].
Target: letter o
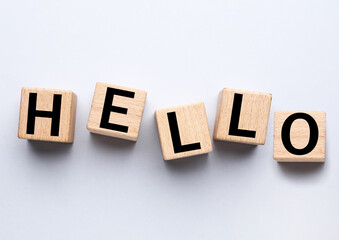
[286,134]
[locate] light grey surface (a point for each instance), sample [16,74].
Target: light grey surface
[180,51]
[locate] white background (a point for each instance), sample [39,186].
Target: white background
[180,52]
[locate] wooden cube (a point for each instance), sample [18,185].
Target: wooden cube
[299,136]
[47,115]
[183,131]
[116,111]
[242,116]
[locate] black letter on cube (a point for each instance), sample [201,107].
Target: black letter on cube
[286,133]
[234,124]
[176,141]
[54,114]
[108,108]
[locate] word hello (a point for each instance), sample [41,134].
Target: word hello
[242,116]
